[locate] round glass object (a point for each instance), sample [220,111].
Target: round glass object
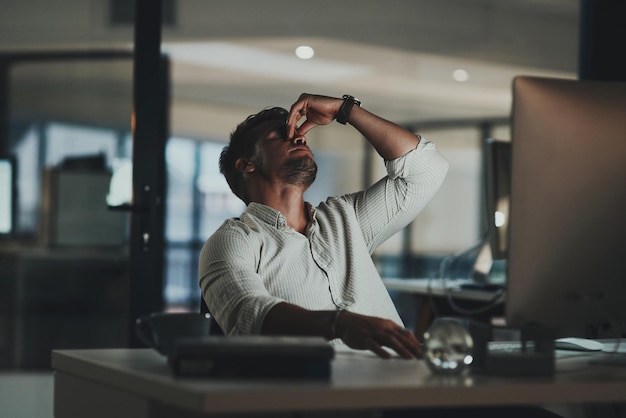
[448,347]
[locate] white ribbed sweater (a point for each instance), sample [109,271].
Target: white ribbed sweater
[254,262]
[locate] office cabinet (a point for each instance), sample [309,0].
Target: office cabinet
[60,298]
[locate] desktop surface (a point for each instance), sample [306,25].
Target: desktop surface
[359,381]
[457,288]
[448,297]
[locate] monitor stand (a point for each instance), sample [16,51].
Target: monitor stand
[532,355]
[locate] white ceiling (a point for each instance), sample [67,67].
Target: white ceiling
[396,55]
[405,86]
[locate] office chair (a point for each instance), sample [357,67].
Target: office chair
[214,329]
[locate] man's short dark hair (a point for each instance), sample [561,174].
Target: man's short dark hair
[243,141]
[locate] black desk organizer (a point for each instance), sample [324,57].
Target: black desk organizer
[252,357]
[535,357]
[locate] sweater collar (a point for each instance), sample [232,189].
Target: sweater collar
[273,217]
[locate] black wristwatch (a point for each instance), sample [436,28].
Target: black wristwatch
[346,107]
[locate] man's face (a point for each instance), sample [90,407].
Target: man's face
[290,160]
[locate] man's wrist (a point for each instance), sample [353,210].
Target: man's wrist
[346,107]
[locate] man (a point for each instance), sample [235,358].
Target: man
[286,268]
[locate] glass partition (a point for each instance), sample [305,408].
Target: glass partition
[69,119]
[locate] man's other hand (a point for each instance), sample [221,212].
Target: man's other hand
[370,333]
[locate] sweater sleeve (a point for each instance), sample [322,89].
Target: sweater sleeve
[394,201]
[230,285]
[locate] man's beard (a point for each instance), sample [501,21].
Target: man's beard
[299,171]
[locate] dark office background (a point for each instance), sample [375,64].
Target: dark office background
[81,109]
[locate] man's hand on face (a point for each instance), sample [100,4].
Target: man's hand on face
[371,333]
[318,110]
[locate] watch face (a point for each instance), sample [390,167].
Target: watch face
[352,98]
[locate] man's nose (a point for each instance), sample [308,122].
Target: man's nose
[299,140]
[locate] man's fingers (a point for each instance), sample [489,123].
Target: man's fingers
[292,122]
[411,341]
[379,335]
[403,342]
[393,343]
[379,350]
[318,110]
[295,115]
[305,127]
[400,347]
[296,112]
[414,343]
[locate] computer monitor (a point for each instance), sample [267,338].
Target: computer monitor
[7,197]
[498,192]
[567,232]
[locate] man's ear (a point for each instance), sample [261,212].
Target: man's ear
[244,165]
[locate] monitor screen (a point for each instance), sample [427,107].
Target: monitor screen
[7,196]
[567,232]
[498,191]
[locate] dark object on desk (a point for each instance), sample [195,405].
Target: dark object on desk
[252,356]
[160,330]
[484,287]
[448,346]
[531,355]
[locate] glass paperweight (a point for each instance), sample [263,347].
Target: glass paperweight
[448,347]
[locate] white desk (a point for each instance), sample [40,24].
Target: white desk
[137,383]
[425,289]
[438,287]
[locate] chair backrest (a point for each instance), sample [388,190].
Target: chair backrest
[215,329]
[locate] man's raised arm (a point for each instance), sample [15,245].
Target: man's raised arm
[390,140]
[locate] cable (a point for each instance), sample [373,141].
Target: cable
[492,303]
[443,266]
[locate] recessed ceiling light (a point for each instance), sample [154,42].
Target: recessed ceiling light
[305,52]
[460,75]
[261,62]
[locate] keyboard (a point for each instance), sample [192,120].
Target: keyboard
[509,347]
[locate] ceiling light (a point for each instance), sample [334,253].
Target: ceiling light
[460,75]
[305,52]
[262,62]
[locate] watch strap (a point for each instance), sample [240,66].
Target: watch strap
[346,108]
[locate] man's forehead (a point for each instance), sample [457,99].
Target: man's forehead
[273,129]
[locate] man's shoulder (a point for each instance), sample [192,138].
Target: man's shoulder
[231,226]
[233,234]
